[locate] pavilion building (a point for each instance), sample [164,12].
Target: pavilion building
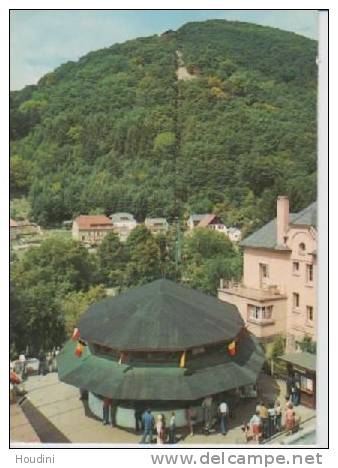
[161,345]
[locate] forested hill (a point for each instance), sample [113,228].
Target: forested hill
[117,131]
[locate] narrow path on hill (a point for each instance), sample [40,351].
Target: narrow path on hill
[182,72]
[45,430]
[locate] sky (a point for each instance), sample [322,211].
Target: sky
[41,40]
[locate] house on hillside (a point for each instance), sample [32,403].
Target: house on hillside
[277,294]
[194,220]
[23,229]
[234,234]
[156,225]
[123,224]
[91,229]
[213,222]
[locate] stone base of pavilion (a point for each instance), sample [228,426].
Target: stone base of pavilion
[60,404]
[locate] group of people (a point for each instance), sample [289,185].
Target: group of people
[163,431]
[22,367]
[47,361]
[267,421]
[213,412]
[144,421]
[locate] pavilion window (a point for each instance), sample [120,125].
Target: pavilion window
[196,351]
[158,357]
[103,351]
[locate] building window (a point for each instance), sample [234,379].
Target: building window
[295,300]
[260,313]
[264,270]
[295,268]
[301,248]
[305,382]
[196,351]
[309,273]
[309,313]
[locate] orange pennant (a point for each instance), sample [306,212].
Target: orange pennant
[78,350]
[232,348]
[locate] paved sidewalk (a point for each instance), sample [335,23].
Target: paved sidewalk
[20,428]
[60,405]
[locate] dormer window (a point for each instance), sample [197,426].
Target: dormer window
[301,248]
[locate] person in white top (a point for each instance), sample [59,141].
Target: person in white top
[256,427]
[223,412]
[22,365]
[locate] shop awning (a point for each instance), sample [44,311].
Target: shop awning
[304,360]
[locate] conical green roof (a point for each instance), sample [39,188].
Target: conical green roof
[161,315]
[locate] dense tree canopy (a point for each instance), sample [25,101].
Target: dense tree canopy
[40,282]
[116,130]
[208,256]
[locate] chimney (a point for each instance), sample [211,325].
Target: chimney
[282,218]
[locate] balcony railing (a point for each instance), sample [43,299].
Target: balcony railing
[266,292]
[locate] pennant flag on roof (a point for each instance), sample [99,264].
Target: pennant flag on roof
[76,334]
[232,348]
[182,360]
[78,350]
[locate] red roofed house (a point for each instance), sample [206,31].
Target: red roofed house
[91,229]
[212,221]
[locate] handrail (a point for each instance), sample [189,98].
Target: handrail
[285,431]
